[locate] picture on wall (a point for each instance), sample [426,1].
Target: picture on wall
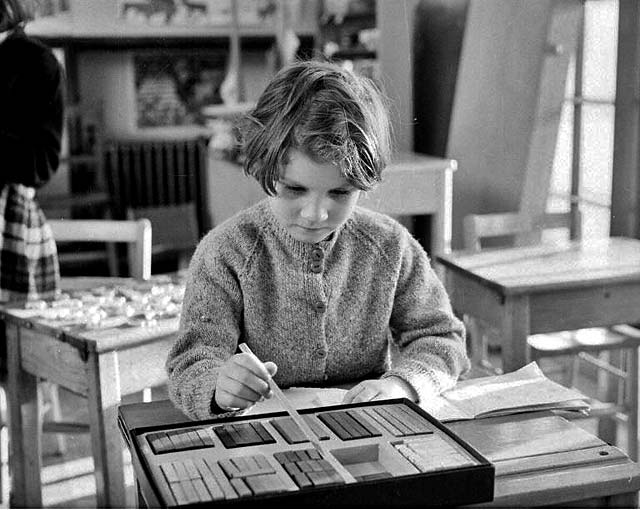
[171,89]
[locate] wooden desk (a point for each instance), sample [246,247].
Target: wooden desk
[100,364]
[541,459]
[413,184]
[546,288]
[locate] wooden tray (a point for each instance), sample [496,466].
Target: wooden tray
[395,454]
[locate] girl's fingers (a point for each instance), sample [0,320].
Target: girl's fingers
[352,393]
[254,365]
[231,402]
[271,367]
[243,381]
[362,392]
[245,375]
[252,390]
[366,395]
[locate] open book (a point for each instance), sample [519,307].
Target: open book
[526,389]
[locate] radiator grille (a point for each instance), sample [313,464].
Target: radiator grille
[151,173]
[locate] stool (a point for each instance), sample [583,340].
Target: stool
[594,346]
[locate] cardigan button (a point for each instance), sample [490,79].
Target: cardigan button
[321,307]
[316,267]
[317,254]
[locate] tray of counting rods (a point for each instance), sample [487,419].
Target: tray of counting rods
[393,452]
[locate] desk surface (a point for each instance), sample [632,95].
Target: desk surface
[116,299]
[540,458]
[547,267]
[105,338]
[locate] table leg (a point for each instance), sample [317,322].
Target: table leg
[25,426]
[514,330]
[106,443]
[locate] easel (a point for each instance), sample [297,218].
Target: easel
[508,101]
[565,21]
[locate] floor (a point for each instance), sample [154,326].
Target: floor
[68,480]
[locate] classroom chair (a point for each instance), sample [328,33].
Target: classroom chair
[137,235]
[598,347]
[175,231]
[79,188]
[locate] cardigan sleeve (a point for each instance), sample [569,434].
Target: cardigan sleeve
[209,331]
[31,129]
[430,345]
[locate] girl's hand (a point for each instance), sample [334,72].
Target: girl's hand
[242,381]
[380,389]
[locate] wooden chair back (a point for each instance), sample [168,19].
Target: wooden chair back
[523,230]
[136,233]
[175,228]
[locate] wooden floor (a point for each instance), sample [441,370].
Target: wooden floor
[68,480]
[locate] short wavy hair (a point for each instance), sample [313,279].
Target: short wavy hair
[15,12]
[329,113]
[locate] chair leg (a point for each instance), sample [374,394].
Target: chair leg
[607,425]
[478,345]
[4,441]
[632,388]
[53,395]
[474,339]
[574,372]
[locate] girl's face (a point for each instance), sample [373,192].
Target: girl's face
[312,199]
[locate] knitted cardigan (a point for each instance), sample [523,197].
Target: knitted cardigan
[364,304]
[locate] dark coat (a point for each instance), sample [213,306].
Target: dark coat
[31,111]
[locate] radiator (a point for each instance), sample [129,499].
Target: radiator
[151,173]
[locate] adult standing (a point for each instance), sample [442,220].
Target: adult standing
[31,119]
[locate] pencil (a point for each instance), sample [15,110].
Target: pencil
[299,421]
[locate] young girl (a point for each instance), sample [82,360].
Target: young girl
[321,290]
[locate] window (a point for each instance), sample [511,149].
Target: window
[582,170]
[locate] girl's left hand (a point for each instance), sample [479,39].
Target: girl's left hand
[380,389]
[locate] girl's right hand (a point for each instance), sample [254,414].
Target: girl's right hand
[242,381]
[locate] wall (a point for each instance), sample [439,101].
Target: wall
[108,78]
[494,106]
[395,22]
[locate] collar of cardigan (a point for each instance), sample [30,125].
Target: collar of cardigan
[299,248]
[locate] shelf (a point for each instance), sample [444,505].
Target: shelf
[63,32]
[354,54]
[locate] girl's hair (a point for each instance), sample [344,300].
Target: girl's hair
[328,113]
[14,13]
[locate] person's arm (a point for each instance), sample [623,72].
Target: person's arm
[430,340]
[30,142]
[209,332]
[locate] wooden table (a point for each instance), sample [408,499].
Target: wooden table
[546,288]
[100,364]
[413,184]
[541,459]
